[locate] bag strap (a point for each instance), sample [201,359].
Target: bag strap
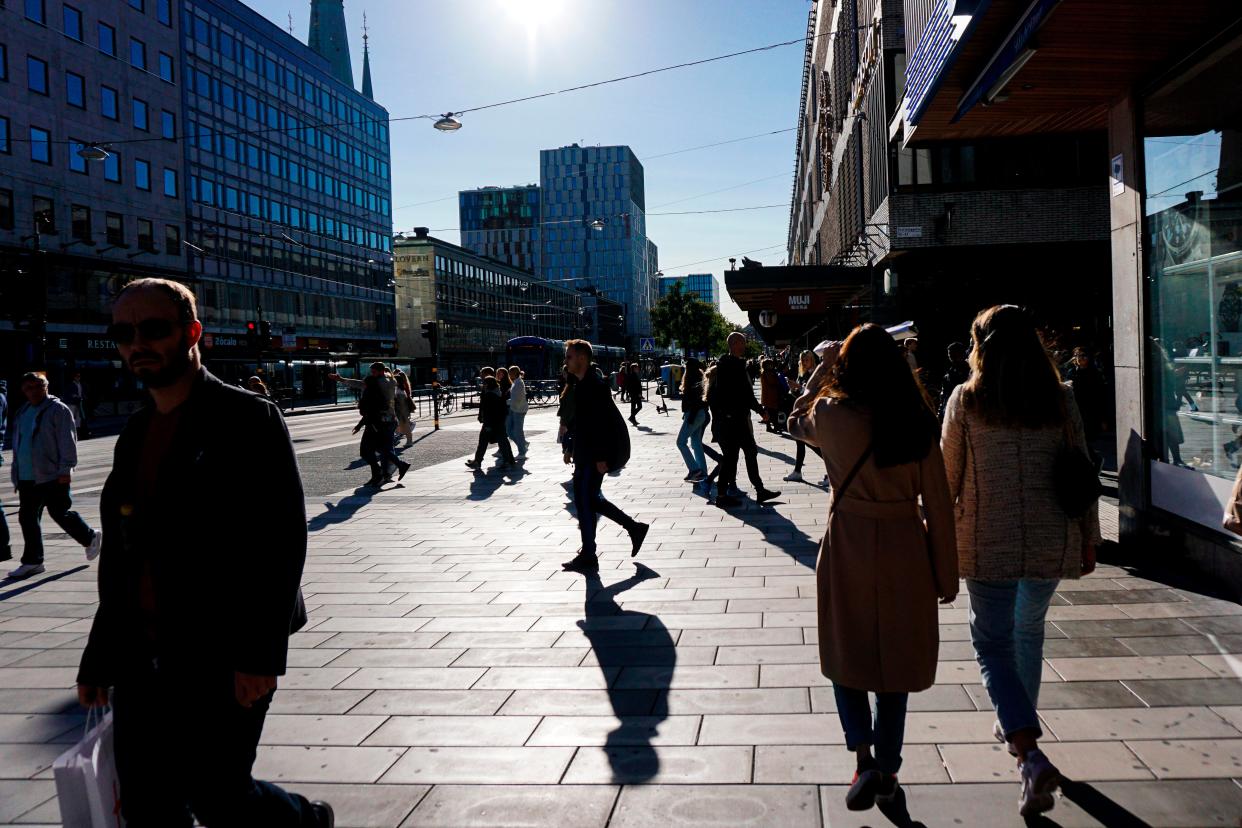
[849,478]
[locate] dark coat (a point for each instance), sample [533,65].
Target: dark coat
[225,535]
[598,428]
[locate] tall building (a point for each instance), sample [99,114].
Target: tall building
[288,191]
[502,223]
[72,230]
[594,227]
[702,285]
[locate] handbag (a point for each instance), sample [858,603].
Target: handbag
[1074,478]
[87,787]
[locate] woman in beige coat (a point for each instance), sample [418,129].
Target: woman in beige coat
[1003,430]
[883,562]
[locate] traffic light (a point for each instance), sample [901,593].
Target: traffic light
[252,334]
[431,332]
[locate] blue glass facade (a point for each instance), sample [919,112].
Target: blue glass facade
[580,185]
[287,183]
[502,223]
[703,284]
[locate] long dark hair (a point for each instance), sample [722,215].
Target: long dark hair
[1013,381]
[872,372]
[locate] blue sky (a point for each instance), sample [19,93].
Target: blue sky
[431,56]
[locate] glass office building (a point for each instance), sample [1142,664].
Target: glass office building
[701,284]
[582,185]
[288,190]
[502,223]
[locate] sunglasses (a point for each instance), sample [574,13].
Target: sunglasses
[124,333]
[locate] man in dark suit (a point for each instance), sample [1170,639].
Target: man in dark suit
[601,444]
[198,581]
[732,400]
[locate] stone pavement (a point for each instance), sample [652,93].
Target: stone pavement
[452,675]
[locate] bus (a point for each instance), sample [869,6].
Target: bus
[541,359]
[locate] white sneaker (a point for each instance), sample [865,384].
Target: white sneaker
[793,477]
[92,551]
[25,571]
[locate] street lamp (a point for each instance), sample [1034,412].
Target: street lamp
[447,123]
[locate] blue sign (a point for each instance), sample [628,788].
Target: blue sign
[646,343]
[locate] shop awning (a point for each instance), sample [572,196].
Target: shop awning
[1026,67]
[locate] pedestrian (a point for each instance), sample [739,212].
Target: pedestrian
[492,415]
[403,407]
[518,406]
[634,387]
[6,549]
[806,367]
[378,423]
[600,444]
[889,550]
[957,372]
[731,400]
[770,394]
[45,452]
[1003,431]
[693,421]
[187,651]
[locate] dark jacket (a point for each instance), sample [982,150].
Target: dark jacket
[598,428]
[732,397]
[224,534]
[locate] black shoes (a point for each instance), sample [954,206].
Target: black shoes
[323,813]
[637,535]
[764,495]
[584,562]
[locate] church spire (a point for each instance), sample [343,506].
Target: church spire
[366,62]
[328,37]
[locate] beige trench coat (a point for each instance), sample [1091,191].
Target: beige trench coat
[881,567]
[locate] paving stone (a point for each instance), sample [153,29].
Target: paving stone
[510,806]
[661,765]
[481,765]
[1190,758]
[454,731]
[789,806]
[323,764]
[823,765]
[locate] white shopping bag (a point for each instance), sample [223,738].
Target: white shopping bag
[87,787]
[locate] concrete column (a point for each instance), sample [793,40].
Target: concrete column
[1129,300]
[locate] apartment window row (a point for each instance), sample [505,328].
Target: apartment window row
[82,225]
[252,57]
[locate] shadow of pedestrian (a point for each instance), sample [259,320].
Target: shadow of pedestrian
[643,647]
[341,511]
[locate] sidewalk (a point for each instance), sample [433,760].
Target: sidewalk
[452,675]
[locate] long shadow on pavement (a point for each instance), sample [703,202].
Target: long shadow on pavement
[643,647]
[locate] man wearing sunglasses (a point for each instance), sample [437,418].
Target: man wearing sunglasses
[198,581]
[45,451]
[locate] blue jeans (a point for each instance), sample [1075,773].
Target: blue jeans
[1007,630]
[692,433]
[515,425]
[889,729]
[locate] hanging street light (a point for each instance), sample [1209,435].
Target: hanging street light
[447,123]
[92,152]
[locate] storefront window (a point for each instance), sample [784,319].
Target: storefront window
[1192,148]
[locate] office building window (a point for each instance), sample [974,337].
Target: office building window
[35,11]
[146,235]
[170,183]
[71,18]
[75,90]
[44,215]
[36,75]
[166,67]
[40,145]
[5,146]
[142,174]
[107,39]
[137,53]
[168,124]
[172,240]
[6,209]
[108,105]
[163,11]
[80,222]
[114,229]
[140,114]
[76,162]
[112,167]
